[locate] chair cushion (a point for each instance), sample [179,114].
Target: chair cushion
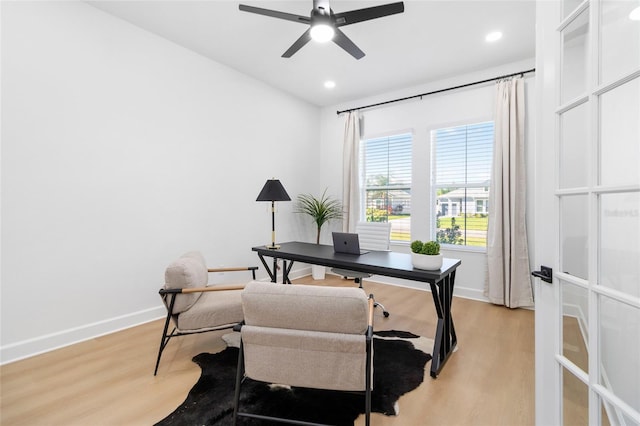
[188,271]
[306,307]
[305,358]
[214,309]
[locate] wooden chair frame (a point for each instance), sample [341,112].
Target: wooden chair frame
[173,292]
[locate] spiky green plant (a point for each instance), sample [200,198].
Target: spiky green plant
[322,209]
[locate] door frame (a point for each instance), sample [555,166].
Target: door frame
[547,295]
[549,358]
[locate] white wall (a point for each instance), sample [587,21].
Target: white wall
[461,106]
[121,151]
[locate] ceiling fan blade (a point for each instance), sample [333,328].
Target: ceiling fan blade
[275,14]
[359,15]
[304,39]
[343,41]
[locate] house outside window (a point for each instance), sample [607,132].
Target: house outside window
[461,176]
[385,165]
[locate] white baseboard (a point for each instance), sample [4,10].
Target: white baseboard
[38,345]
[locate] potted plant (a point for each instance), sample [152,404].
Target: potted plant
[426,255]
[321,210]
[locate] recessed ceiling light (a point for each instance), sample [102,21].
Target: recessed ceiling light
[329,84]
[493,36]
[635,14]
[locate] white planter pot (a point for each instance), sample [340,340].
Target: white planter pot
[427,261]
[317,272]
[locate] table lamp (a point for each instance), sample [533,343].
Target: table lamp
[273,191]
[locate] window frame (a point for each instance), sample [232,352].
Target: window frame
[433,199]
[363,185]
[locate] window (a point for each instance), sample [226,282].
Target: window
[461,174]
[385,165]
[482,205]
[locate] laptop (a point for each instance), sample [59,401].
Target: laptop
[346,242]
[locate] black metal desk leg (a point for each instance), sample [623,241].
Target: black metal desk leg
[436,355]
[272,275]
[285,272]
[445,338]
[453,339]
[275,270]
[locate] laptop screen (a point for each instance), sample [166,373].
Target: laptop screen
[346,242]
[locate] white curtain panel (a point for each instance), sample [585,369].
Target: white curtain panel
[509,280]
[350,172]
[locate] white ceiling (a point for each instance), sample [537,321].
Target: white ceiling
[431,40]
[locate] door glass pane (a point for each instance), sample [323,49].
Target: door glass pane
[575,324]
[620,242]
[574,147]
[573,234]
[574,57]
[620,350]
[620,39]
[575,400]
[620,133]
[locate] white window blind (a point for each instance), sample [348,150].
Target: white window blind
[461,174]
[386,171]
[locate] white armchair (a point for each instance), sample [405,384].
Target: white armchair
[306,336]
[193,305]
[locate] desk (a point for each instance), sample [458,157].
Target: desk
[386,263]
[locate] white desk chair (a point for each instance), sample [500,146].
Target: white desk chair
[372,236]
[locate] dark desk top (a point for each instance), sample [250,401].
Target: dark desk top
[387,263]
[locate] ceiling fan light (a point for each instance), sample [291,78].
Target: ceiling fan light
[635,14]
[493,36]
[322,33]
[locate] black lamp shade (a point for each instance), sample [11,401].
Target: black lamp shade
[273,191]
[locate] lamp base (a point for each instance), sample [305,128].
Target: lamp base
[273,246]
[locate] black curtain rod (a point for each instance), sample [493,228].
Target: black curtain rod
[438,91]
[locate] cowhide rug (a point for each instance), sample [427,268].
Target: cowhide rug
[398,364]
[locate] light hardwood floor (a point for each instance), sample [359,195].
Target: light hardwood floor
[109,380]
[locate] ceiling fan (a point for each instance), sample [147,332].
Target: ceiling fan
[324,24]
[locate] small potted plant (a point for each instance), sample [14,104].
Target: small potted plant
[426,255]
[321,210]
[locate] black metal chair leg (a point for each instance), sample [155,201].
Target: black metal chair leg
[155,372]
[376,304]
[239,374]
[381,306]
[165,337]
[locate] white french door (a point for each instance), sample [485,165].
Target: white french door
[587,213]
